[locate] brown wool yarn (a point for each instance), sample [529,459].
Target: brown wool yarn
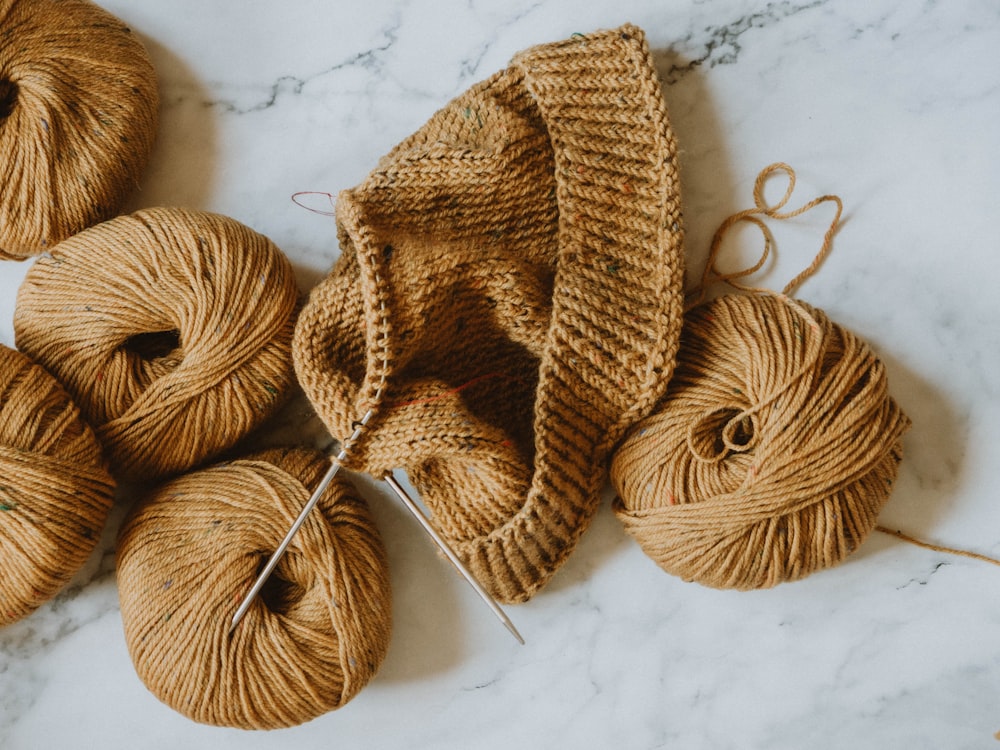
[773,452]
[55,492]
[79,110]
[178,352]
[777,443]
[310,642]
[508,301]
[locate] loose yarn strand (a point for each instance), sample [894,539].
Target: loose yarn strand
[712,275]
[937,547]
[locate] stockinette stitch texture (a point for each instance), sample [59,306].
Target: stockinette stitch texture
[508,301]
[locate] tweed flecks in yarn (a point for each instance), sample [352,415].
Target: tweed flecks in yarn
[508,301]
[313,639]
[79,110]
[55,492]
[170,328]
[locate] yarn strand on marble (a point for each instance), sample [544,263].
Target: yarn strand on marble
[937,547]
[712,275]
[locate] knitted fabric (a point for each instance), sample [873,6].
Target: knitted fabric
[508,301]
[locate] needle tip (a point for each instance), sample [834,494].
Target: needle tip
[236,620]
[513,630]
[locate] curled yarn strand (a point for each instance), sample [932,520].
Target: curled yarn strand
[713,275]
[778,443]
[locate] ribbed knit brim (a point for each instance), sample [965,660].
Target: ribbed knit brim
[508,301]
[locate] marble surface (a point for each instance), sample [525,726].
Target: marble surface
[894,106]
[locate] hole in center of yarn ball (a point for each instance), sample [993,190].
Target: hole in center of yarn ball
[721,432]
[279,594]
[8,97]
[740,432]
[154,344]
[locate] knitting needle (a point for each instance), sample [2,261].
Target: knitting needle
[306,509]
[452,557]
[410,505]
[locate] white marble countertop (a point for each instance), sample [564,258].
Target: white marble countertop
[894,106]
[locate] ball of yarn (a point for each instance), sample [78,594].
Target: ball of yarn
[55,492]
[314,637]
[771,455]
[79,110]
[175,344]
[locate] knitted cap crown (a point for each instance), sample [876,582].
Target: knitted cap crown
[508,301]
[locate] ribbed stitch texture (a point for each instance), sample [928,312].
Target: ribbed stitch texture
[508,301]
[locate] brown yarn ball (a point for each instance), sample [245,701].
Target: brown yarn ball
[314,637]
[79,110]
[773,452]
[55,492]
[175,345]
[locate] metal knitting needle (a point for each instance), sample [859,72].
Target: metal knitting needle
[450,554]
[324,483]
[306,509]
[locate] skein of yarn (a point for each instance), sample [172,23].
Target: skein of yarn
[79,110]
[181,350]
[773,453]
[55,493]
[777,443]
[314,638]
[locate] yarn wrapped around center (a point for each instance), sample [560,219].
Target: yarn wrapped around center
[55,492]
[79,110]
[773,452]
[178,352]
[309,643]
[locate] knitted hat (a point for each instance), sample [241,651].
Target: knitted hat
[508,301]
